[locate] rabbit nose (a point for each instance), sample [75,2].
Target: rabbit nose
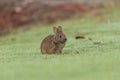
[65,39]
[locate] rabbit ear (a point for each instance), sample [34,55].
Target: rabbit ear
[59,29]
[55,29]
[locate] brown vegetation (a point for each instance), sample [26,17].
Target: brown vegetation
[14,16]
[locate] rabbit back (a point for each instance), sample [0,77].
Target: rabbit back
[47,45]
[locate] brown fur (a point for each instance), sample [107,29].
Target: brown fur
[53,43]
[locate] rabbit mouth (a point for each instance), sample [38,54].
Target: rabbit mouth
[63,42]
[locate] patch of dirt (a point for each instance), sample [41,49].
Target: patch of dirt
[80,37]
[99,42]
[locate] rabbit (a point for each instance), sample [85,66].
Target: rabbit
[54,43]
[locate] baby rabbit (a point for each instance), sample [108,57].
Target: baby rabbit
[54,43]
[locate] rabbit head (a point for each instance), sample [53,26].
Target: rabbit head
[59,35]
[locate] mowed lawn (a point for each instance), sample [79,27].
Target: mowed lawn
[82,59]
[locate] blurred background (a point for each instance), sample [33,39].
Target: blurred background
[18,13]
[92,51]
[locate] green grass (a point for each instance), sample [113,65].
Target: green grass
[20,57]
